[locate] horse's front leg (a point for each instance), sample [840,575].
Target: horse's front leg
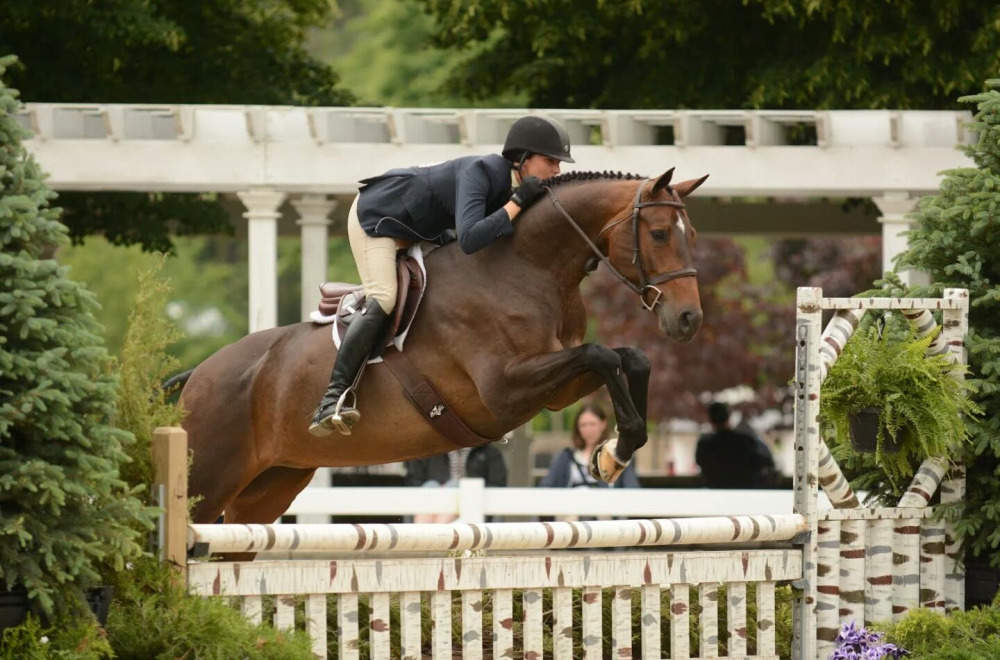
[611,456]
[529,383]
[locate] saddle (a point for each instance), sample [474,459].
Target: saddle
[341,303]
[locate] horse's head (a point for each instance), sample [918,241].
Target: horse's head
[653,246]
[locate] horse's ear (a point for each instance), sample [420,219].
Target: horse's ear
[664,180]
[685,188]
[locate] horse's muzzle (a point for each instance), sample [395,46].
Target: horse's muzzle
[681,326]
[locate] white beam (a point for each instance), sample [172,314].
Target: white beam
[262,235]
[327,150]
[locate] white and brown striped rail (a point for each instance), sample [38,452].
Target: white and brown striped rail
[494,536]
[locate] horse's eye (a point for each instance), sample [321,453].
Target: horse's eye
[659,235]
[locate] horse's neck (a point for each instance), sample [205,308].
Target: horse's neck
[547,239]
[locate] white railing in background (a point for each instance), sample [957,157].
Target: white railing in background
[471,501]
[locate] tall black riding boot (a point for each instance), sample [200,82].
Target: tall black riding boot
[337,409]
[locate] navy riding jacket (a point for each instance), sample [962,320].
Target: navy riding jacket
[422,203]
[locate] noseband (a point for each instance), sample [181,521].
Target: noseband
[645,283]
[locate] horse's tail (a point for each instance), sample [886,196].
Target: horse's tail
[175,383]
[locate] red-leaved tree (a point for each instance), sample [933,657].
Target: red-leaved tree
[746,337]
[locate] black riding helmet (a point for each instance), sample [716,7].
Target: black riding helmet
[536,135]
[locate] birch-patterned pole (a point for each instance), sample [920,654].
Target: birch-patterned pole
[878,571]
[409,625]
[806,425]
[925,483]
[503,623]
[840,328]
[765,619]
[736,618]
[932,565]
[906,567]
[956,326]
[838,490]
[562,622]
[708,622]
[472,625]
[852,571]
[827,585]
[923,324]
[680,621]
[649,622]
[953,490]
[621,622]
[297,539]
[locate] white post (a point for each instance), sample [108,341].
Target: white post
[314,212]
[471,498]
[809,314]
[262,233]
[894,207]
[321,479]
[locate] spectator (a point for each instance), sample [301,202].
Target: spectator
[732,458]
[569,467]
[445,470]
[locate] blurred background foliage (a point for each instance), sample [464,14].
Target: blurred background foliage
[489,53]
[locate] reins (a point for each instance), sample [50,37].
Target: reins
[645,283]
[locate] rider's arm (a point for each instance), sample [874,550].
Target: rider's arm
[475,229]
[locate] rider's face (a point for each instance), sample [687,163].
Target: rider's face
[541,166]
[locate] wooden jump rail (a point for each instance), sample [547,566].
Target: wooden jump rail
[297,539]
[851,563]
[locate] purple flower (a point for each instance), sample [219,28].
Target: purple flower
[854,643]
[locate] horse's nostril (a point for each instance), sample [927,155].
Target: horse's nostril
[689,319]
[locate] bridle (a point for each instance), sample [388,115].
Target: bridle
[645,283]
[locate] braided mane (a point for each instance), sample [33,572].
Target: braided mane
[571,177]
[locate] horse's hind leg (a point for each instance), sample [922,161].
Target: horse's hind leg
[264,500]
[269,495]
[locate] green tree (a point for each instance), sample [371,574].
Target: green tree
[64,511]
[135,51]
[386,52]
[956,239]
[718,53]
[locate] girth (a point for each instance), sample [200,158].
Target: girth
[429,402]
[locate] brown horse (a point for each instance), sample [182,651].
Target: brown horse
[499,333]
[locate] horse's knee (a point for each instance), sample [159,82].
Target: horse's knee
[600,358]
[635,362]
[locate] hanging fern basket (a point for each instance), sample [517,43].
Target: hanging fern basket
[864,425]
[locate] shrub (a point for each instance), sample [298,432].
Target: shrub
[974,634]
[153,617]
[64,511]
[954,240]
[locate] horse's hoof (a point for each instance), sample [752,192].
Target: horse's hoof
[604,465]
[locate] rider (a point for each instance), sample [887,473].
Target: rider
[476,196]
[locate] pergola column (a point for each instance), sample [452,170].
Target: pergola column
[262,234]
[314,219]
[895,206]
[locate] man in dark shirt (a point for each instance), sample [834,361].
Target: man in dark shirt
[731,458]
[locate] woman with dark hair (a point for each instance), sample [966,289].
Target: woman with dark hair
[569,467]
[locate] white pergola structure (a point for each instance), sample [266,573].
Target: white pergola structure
[266,155]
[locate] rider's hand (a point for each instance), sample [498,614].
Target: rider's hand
[528,192]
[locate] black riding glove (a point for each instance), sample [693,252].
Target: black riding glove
[528,192]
